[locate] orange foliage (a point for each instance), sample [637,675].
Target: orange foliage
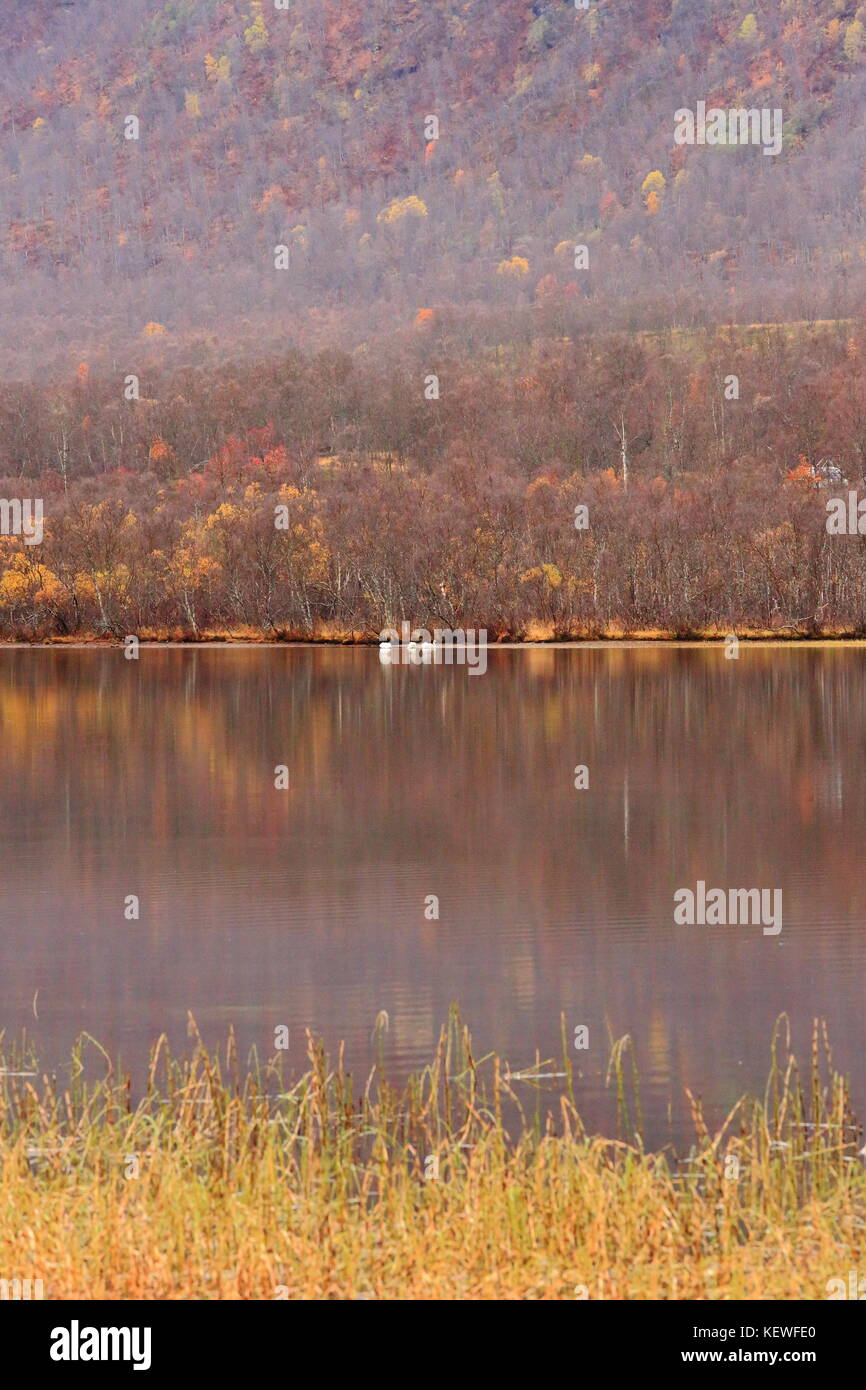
[803,473]
[160,450]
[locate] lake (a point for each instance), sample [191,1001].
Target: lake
[311,907]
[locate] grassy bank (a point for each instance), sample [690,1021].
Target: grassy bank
[223,1181]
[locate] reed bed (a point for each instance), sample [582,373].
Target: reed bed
[221,1180]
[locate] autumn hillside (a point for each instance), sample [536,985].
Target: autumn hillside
[323,317]
[307,127]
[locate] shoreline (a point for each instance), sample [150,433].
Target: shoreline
[626,641]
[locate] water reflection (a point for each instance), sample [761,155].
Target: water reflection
[306,907]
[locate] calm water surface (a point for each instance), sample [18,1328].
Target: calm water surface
[306,907]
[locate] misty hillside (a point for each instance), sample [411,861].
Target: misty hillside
[306,128]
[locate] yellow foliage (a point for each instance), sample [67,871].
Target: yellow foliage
[654,183]
[192,105]
[548,572]
[256,37]
[51,590]
[25,580]
[154,330]
[84,586]
[15,583]
[517,266]
[400,208]
[217,69]
[187,569]
[117,579]
[225,514]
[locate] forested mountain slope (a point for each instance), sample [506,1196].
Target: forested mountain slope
[306,127]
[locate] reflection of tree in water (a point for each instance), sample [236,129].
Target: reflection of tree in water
[410,781]
[185,731]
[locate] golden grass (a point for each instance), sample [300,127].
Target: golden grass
[251,1188]
[538,631]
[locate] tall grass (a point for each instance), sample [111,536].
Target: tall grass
[219,1179]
